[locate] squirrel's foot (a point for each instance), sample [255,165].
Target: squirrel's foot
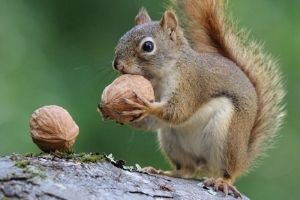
[139,110]
[223,186]
[182,173]
[152,170]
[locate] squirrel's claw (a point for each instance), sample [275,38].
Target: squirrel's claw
[142,106]
[223,186]
[136,115]
[150,108]
[144,101]
[138,109]
[133,104]
[152,170]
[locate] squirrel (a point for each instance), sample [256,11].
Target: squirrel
[218,96]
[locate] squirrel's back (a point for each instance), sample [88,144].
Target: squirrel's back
[210,30]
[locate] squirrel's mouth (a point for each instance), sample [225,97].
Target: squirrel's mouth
[132,70]
[145,75]
[123,71]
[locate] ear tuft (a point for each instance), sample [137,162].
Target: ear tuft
[143,17]
[169,21]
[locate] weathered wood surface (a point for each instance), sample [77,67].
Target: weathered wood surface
[50,177]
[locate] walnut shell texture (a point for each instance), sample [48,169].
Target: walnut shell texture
[53,129]
[124,87]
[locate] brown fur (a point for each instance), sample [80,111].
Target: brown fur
[216,103]
[210,30]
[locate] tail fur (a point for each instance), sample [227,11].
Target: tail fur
[210,30]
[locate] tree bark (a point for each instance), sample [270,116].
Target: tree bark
[63,178]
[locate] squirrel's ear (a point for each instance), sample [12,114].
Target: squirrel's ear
[143,17]
[169,22]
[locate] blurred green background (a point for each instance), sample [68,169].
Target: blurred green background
[60,52]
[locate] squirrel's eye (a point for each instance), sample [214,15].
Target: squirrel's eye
[148,46]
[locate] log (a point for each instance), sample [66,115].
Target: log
[91,176]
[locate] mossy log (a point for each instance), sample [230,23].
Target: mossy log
[90,177]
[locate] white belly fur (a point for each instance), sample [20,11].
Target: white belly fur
[201,136]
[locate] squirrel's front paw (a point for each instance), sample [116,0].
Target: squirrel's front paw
[138,109]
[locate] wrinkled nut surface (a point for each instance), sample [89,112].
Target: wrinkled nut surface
[124,87]
[53,129]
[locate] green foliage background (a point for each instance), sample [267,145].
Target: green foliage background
[60,52]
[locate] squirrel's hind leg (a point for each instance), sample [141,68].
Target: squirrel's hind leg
[220,184]
[236,158]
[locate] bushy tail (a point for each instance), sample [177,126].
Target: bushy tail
[210,30]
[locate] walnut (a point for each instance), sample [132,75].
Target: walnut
[53,129]
[124,87]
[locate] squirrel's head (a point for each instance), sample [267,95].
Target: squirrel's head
[150,48]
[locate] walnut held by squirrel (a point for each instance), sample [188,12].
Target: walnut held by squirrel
[218,97]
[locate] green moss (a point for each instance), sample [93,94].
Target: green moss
[22,164]
[31,154]
[91,158]
[80,157]
[70,155]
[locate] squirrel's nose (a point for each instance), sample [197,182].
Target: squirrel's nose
[117,65]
